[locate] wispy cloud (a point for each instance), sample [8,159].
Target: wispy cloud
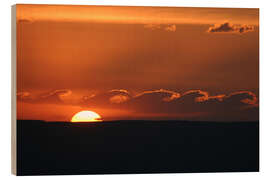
[165,27]
[52,97]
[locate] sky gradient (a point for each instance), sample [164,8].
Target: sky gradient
[137,62]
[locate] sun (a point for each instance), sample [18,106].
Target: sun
[86,116]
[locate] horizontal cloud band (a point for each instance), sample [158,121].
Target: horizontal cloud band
[240,104]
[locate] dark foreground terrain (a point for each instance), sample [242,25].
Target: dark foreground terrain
[136,147]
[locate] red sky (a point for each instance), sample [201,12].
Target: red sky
[70,58]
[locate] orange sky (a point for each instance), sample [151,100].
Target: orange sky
[69,55]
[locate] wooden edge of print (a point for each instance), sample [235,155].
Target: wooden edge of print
[13,92]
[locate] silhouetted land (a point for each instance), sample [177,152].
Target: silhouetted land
[136,147]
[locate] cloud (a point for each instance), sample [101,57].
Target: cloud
[171,28]
[52,97]
[152,26]
[55,96]
[24,96]
[117,99]
[230,28]
[195,96]
[147,101]
[196,103]
[106,99]
[166,27]
[120,96]
[241,97]
[161,94]
[237,105]
[155,101]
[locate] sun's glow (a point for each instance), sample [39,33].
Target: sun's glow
[86,116]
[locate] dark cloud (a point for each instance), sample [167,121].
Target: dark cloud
[231,28]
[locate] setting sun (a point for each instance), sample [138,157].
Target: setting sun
[86,116]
